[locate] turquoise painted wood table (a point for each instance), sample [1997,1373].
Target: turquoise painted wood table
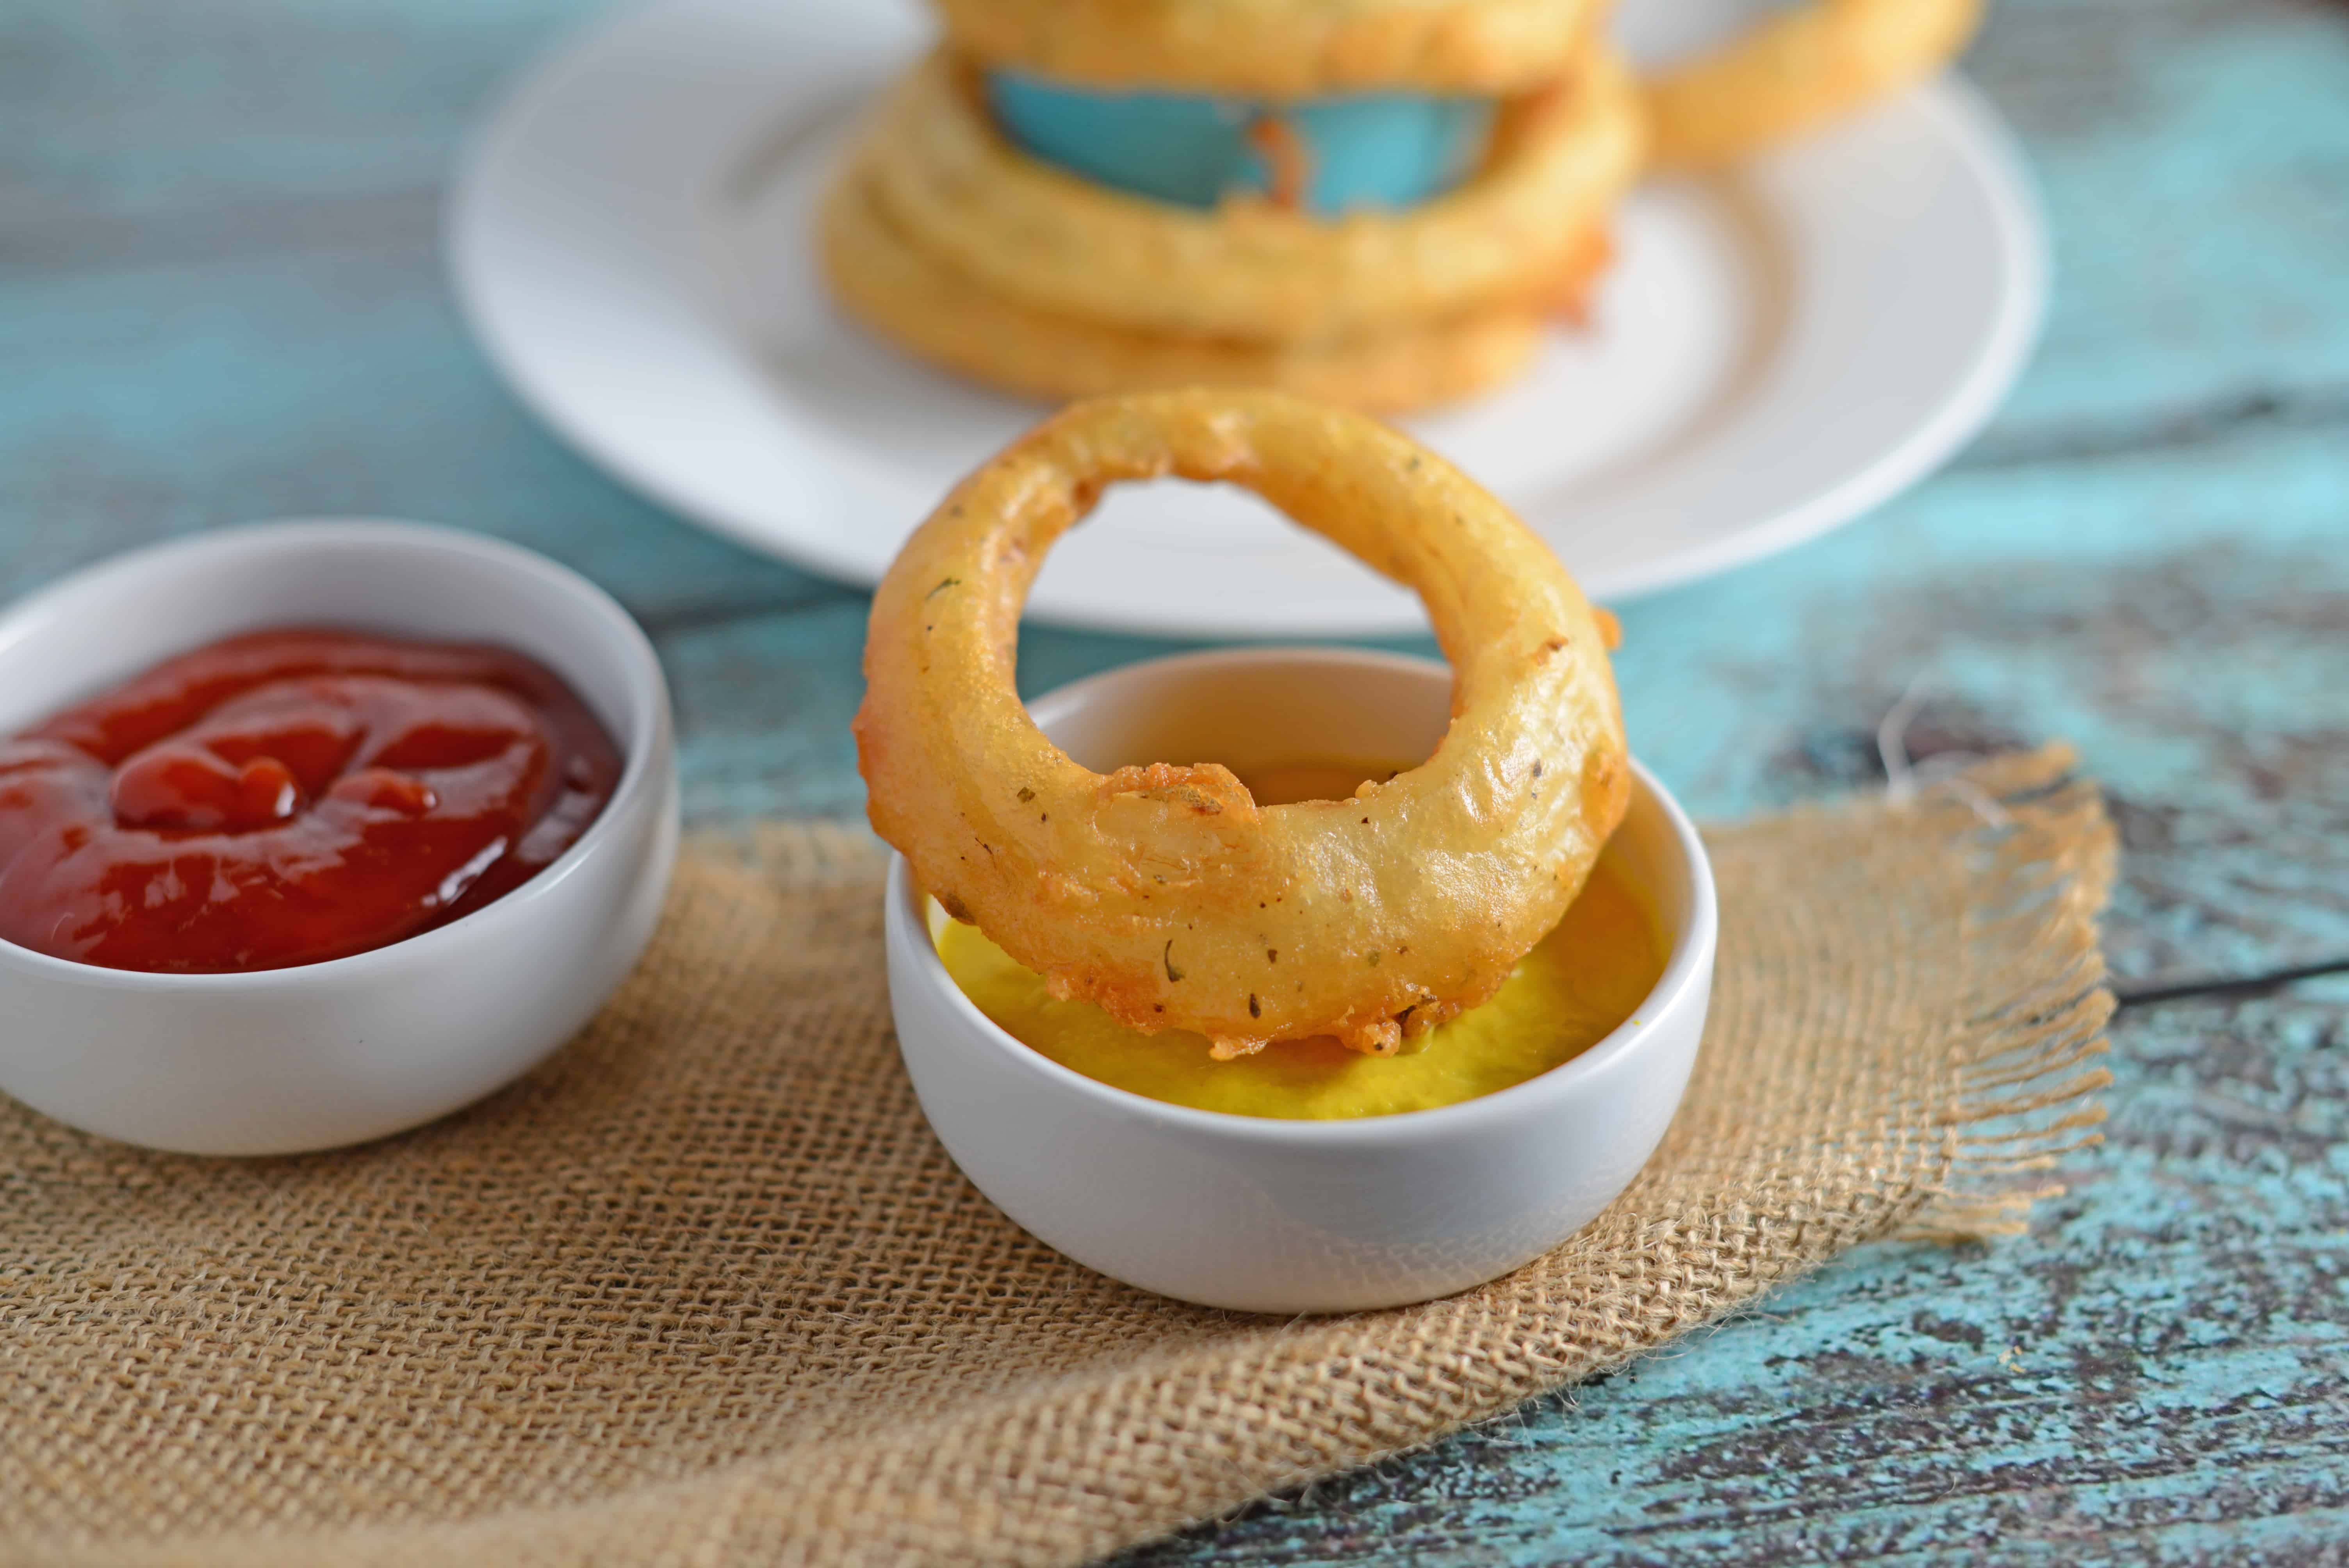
[220,300]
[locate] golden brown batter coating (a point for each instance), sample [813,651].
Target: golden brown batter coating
[945,316]
[1251,270]
[1165,892]
[1278,48]
[1797,69]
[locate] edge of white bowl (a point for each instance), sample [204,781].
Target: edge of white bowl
[1687,969]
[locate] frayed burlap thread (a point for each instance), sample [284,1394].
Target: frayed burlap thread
[703,1291]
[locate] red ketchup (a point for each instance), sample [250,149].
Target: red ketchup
[290,797]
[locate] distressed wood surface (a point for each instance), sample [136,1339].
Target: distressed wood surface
[220,300]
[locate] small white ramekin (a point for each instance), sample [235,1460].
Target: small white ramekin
[1272,1216]
[281,1061]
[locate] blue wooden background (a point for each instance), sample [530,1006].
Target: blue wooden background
[221,300]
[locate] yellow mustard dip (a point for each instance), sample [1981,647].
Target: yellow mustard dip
[1573,990]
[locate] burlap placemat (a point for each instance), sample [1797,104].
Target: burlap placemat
[704,1291]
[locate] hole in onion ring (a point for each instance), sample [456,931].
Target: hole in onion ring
[1187,539]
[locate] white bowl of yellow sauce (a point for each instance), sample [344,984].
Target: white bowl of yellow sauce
[1308,1178]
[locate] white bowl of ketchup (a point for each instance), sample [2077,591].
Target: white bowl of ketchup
[312,1055]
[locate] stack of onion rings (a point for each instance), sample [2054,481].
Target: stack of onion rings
[1164,893]
[1255,271]
[949,238]
[946,236]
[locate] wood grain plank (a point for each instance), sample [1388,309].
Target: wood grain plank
[2180,614]
[2159,1374]
[318,383]
[2192,181]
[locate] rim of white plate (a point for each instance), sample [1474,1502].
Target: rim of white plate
[487,295]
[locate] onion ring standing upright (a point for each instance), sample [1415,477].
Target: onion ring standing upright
[1164,893]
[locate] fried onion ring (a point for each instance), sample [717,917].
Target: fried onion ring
[1252,270]
[1164,893]
[1276,49]
[1797,69]
[882,278]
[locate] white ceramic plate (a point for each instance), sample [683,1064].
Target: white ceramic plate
[1776,352]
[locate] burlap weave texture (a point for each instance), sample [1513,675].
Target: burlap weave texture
[703,1291]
